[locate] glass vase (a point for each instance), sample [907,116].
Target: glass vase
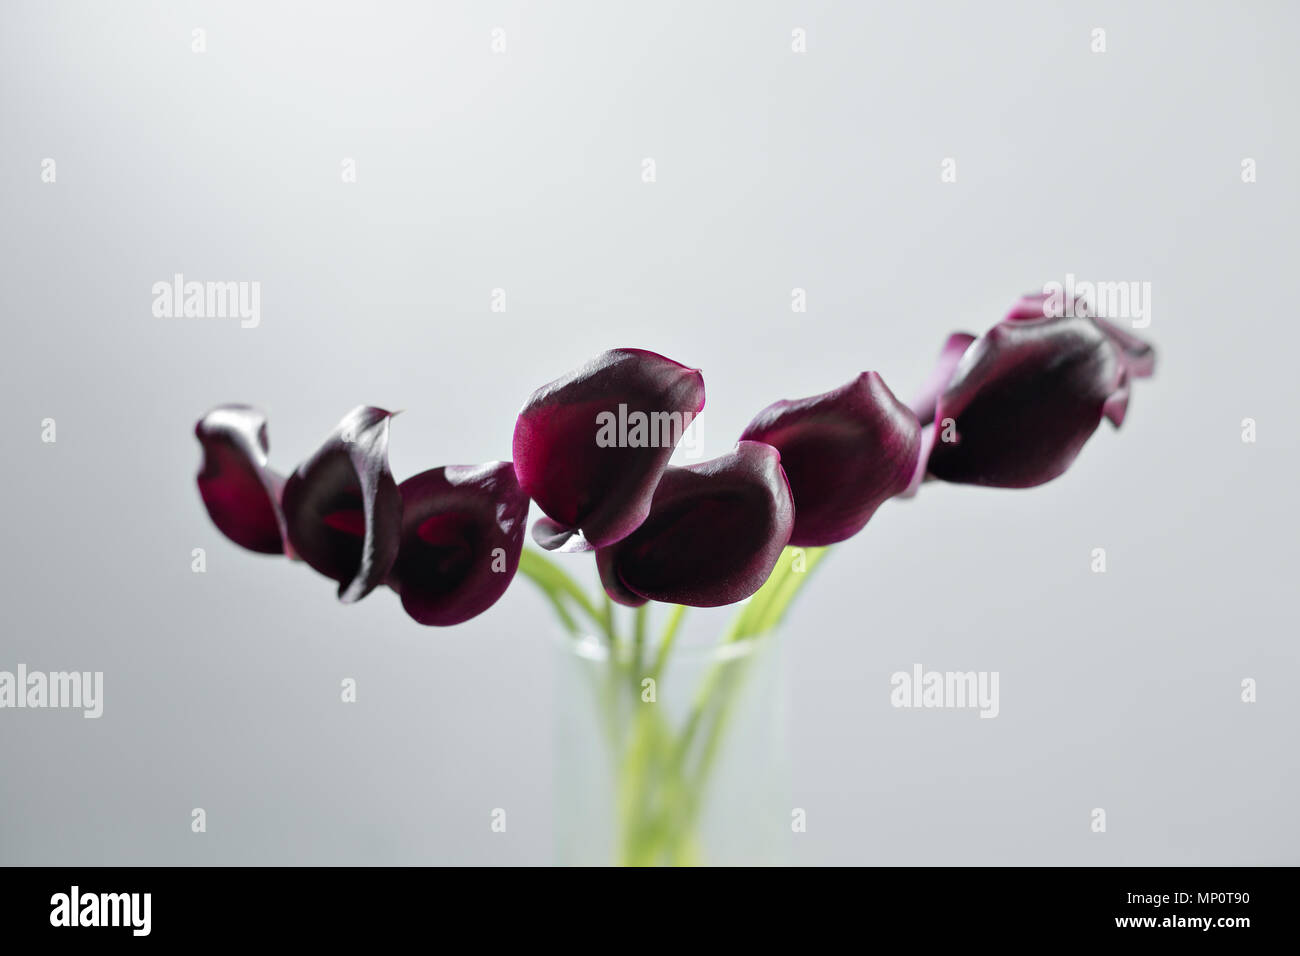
[670,758]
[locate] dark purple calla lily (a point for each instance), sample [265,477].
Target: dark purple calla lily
[1138,355]
[844,452]
[342,509]
[1027,395]
[590,447]
[462,532]
[241,493]
[713,535]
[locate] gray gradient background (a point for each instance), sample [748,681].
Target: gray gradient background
[522,171]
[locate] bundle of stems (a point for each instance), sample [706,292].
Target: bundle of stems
[662,770]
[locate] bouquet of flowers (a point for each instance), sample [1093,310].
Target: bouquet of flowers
[1011,408]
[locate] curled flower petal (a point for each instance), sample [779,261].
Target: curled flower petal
[844,453]
[928,398]
[590,447]
[241,493]
[1116,406]
[928,435]
[1137,354]
[554,536]
[342,508]
[462,532]
[1025,397]
[924,403]
[713,535]
[1043,305]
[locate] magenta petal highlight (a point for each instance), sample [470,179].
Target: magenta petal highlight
[1116,405]
[241,493]
[949,356]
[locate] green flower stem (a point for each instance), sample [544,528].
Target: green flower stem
[787,590]
[765,610]
[652,821]
[556,583]
[557,605]
[662,776]
[761,616]
[638,645]
[671,630]
[661,824]
[708,755]
[563,593]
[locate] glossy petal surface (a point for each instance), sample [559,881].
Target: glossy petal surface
[1024,399]
[342,508]
[714,533]
[462,532]
[844,452]
[590,447]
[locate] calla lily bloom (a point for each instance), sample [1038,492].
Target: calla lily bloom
[1011,408]
[342,509]
[1138,355]
[462,532]
[241,493]
[713,535]
[1027,395]
[590,447]
[844,452]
